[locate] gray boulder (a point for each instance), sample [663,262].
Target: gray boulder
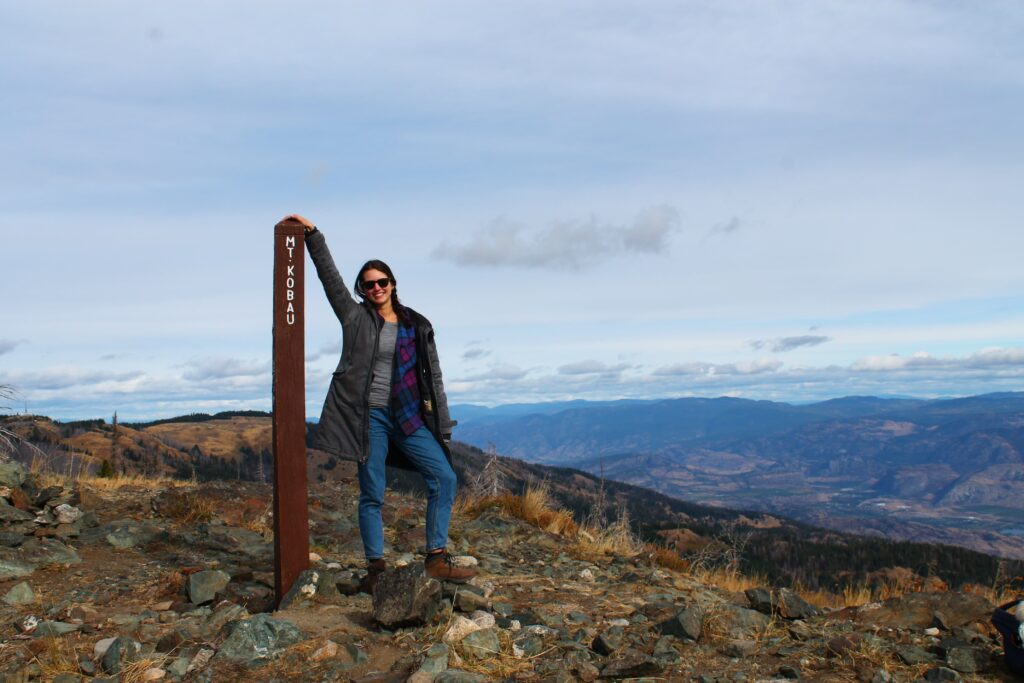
[483,644]
[258,640]
[405,596]
[122,651]
[20,594]
[741,623]
[317,585]
[780,602]
[12,474]
[204,586]
[688,623]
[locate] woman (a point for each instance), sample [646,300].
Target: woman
[386,405]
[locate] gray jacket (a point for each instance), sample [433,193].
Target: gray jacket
[344,422]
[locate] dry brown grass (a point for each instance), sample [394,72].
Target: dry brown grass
[171,583]
[117,482]
[262,524]
[188,508]
[533,506]
[57,657]
[500,665]
[536,507]
[729,579]
[616,538]
[133,672]
[998,594]
[666,558]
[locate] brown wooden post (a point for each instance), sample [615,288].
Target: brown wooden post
[291,516]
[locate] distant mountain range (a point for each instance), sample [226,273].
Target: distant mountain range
[945,470]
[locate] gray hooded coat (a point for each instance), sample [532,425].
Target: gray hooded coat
[344,422]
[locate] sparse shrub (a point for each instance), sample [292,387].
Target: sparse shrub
[486,483]
[185,507]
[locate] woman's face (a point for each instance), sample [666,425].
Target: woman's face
[371,289]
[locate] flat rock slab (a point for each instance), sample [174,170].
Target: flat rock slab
[631,664]
[236,540]
[125,533]
[9,513]
[44,551]
[12,567]
[780,602]
[923,610]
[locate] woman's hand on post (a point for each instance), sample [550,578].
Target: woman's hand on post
[306,223]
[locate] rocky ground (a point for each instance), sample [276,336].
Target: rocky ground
[173,581]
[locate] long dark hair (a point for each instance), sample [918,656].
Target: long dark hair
[377,264]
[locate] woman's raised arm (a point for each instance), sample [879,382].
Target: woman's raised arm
[338,296]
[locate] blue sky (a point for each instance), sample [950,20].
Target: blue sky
[785,200]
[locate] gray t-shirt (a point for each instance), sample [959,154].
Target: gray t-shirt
[380,387]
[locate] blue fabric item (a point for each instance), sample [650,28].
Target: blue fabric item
[422,449]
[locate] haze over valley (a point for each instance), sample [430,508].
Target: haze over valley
[949,471]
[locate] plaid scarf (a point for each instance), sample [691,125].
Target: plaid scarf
[405,392]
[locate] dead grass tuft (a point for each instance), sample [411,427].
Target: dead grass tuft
[143,481]
[57,657]
[263,523]
[616,538]
[172,583]
[729,579]
[533,506]
[500,665]
[187,508]
[666,558]
[134,672]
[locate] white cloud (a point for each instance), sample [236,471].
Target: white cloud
[66,378]
[475,353]
[204,369]
[592,367]
[329,350]
[756,367]
[725,227]
[783,344]
[986,359]
[498,373]
[576,243]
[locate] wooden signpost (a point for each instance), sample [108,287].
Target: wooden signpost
[291,517]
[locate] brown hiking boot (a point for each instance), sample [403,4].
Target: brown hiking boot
[440,566]
[373,571]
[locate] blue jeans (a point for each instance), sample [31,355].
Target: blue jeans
[422,449]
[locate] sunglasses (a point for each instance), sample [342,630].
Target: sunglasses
[367,285]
